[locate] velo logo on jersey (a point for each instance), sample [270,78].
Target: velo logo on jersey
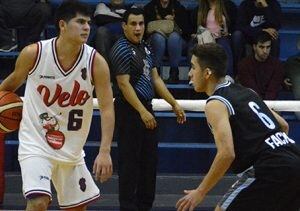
[64,99]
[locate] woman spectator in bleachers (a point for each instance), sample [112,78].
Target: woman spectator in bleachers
[176,41]
[255,16]
[218,16]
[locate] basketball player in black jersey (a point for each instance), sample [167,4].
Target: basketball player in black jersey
[251,140]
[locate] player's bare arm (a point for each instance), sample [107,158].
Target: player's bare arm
[164,93]
[131,97]
[103,164]
[24,64]
[217,116]
[283,124]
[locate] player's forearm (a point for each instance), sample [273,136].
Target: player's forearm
[217,170]
[132,98]
[11,83]
[107,128]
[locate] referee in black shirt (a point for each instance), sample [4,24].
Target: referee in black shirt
[133,66]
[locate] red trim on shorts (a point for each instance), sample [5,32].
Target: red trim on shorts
[36,193]
[81,204]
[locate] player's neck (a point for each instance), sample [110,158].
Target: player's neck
[67,48]
[211,87]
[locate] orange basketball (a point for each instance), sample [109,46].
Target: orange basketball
[10,111]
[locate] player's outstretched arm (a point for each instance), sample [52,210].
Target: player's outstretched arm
[103,164]
[217,116]
[24,64]
[164,93]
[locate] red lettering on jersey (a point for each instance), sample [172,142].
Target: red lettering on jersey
[64,99]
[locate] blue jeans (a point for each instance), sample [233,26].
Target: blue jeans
[174,44]
[225,43]
[106,36]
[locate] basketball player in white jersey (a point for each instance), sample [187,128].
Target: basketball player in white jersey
[61,74]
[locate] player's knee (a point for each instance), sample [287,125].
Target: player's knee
[38,204]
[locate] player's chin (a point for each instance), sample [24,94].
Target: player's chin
[84,38]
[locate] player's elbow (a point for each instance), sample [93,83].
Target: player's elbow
[284,127]
[228,153]
[229,156]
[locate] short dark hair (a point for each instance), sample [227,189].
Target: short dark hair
[262,37]
[68,9]
[132,11]
[212,56]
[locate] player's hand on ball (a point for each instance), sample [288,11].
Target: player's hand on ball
[103,167]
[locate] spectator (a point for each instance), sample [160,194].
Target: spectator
[255,16]
[108,18]
[176,42]
[137,78]
[218,17]
[260,71]
[31,14]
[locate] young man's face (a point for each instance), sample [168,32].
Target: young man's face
[134,28]
[262,50]
[76,29]
[197,75]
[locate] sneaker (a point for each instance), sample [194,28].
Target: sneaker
[8,47]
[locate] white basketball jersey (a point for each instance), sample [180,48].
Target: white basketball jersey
[58,106]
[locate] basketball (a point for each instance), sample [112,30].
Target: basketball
[10,111]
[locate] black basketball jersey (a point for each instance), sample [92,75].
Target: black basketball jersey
[256,132]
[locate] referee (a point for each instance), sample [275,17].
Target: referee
[137,79]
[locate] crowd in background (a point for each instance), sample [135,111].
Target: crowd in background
[244,31]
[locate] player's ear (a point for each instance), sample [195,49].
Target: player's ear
[209,72]
[62,25]
[123,25]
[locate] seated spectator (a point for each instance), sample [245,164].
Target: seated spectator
[260,71]
[255,16]
[175,42]
[31,14]
[292,69]
[218,17]
[108,18]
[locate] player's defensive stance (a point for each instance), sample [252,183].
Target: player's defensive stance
[250,138]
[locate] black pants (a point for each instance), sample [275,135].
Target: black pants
[33,16]
[137,147]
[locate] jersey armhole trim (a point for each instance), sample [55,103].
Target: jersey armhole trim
[91,65]
[223,100]
[37,58]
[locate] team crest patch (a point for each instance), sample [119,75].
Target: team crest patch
[54,137]
[83,73]
[82,184]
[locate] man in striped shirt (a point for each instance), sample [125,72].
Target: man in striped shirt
[137,79]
